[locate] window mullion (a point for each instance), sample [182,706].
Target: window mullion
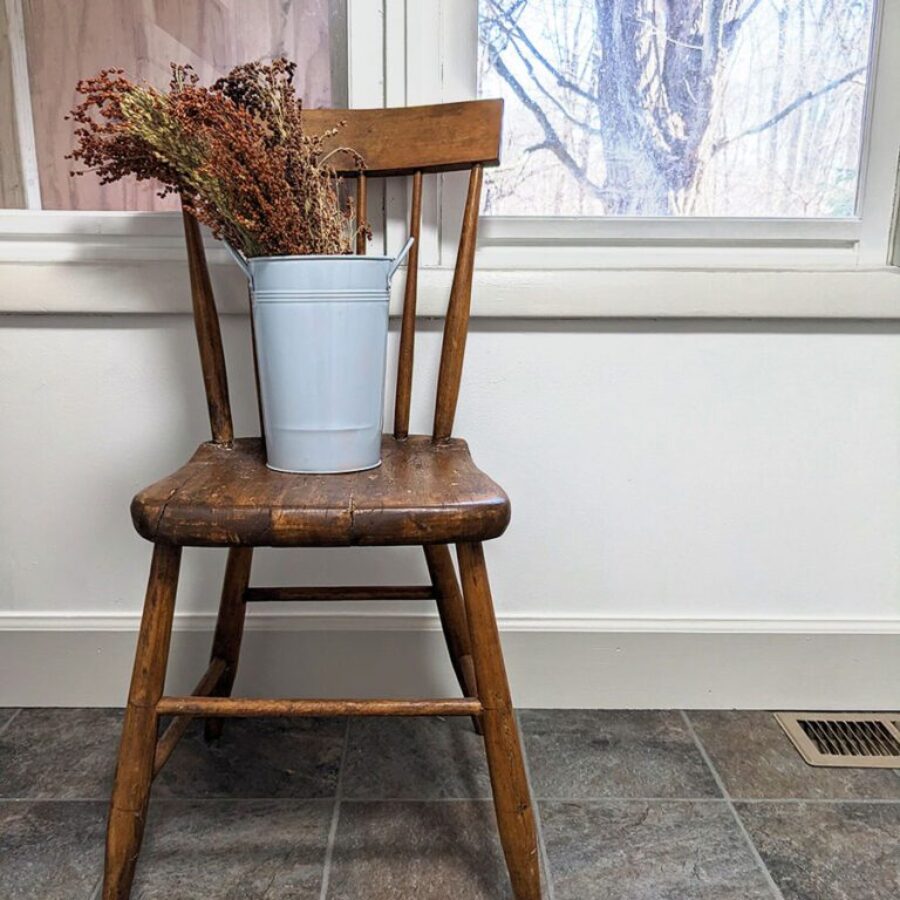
[366,86]
[18,55]
[879,176]
[458,71]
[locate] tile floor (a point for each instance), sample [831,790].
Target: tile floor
[632,806]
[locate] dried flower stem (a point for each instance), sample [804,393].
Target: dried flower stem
[236,152]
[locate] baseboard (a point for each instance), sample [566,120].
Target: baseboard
[387,620]
[85,660]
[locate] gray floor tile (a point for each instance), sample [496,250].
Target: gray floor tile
[756,760]
[828,851]
[60,754]
[233,850]
[585,754]
[50,850]
[654,850]
[418,851]
[415,758]
[6,715]
[261,758]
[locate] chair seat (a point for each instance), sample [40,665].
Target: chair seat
[421,493]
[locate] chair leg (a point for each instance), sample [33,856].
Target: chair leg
[452,612]
[515,818]
[229,628]
[134,771]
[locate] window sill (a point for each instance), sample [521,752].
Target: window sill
[160,286]
[126,263]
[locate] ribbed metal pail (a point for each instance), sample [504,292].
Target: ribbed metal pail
[320,325]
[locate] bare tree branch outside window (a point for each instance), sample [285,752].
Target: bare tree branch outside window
[677,107]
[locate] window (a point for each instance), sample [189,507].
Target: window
[53,43]
[771,145]
[680,133]
[731,108]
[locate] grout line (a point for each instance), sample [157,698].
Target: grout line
[796,800]
[631,799]
[332,831]
[613,798]
[821,801]
[159,801]
[98,887]
[103,800]
[9,721]
[542,846]
[776,891]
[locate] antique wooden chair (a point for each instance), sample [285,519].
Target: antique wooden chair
[427,492]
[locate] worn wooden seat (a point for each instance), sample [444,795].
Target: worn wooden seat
[423,492]
[427,491]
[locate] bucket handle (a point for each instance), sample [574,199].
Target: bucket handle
[395,263]
[398,260]
[239,259]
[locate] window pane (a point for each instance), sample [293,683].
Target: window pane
[72,39]
[677,107]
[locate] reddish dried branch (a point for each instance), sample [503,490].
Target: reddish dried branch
[236,152]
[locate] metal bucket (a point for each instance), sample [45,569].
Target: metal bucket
[320,325]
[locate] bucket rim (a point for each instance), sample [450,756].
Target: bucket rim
[317,256]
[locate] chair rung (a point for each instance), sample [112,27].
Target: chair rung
[173,734]
[319,594]
[232,706]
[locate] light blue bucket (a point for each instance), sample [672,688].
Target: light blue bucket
[321,324]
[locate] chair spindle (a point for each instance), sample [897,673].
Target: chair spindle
[408,325]
[457,322]
[209,336]
[361,205]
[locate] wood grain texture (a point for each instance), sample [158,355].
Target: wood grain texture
[256,381]
[405,356]
[177,727]
[512,800]
[134,771]
[443,137]
[209,336]
[339,594]
[456,327]
[362,205]
[452,612]
[226,646]
[421,493]
[233,706]
[72,39]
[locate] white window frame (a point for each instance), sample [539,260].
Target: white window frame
[448,70]
[407,52]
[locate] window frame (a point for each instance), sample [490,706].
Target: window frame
[864,240]
[33,235]
[405,52]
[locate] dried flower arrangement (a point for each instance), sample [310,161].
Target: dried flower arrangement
[236,152]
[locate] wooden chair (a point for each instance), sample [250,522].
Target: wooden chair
[427,492]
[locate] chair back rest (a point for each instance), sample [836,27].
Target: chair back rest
[406,141]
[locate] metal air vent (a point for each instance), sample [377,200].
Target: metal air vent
[864,740]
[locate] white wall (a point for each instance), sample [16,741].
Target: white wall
[700,510]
